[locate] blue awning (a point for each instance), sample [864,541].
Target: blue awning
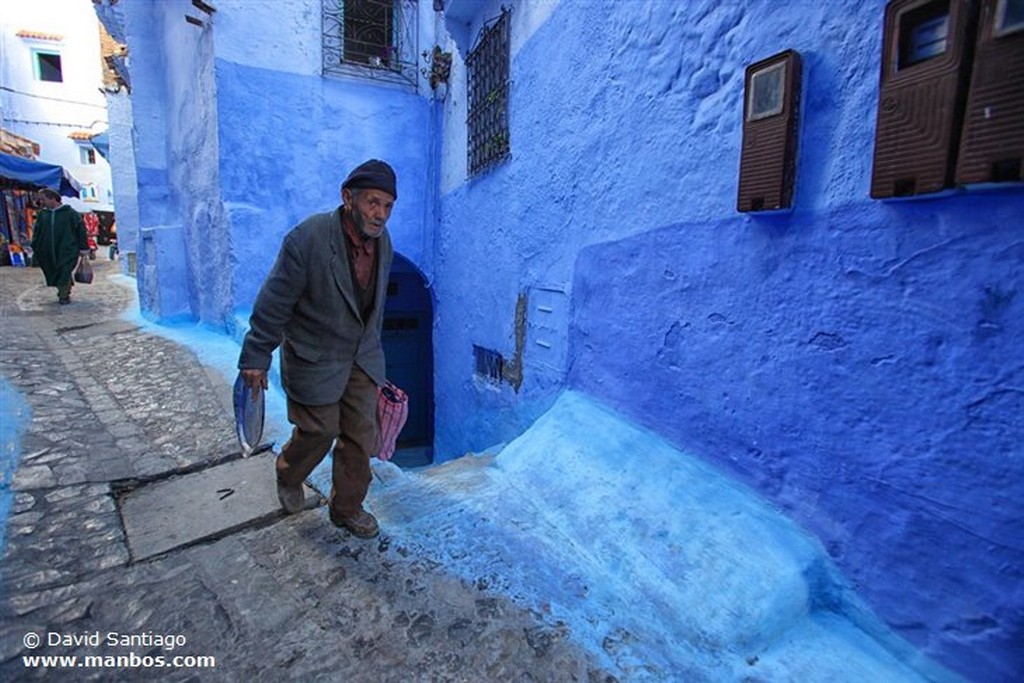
[25,174]
[101,141]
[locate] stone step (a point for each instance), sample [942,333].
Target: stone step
[184,510]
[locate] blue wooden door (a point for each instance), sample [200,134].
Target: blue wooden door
[408,347]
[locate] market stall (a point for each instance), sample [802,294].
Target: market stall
[19,178]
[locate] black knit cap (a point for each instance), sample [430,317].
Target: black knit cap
[373,174]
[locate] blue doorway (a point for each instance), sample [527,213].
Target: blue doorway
[409,350]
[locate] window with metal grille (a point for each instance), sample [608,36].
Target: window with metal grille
[487,124]
[489,363]
[370,38]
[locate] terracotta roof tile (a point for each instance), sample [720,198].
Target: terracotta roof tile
[38,35]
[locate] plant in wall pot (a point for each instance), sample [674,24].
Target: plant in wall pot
[440,66]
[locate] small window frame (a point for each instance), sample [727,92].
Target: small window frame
[37,64]
[758,77]
[909,26]
[999,29]
[398,62]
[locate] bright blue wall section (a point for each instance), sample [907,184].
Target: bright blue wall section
[175,146]
[287,141]
[873,394]
[149,123]
[858,362]
[636,127]
[163,274]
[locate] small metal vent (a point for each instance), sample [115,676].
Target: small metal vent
[489,363]
[926,57]
[771,127]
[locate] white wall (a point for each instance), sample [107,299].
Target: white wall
[123,175]
[48,112]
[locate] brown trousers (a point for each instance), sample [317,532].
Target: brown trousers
[351,425]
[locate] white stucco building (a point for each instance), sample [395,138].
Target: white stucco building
[51,90]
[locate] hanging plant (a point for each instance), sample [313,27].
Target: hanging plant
[440,66]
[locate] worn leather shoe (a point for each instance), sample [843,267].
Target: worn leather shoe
[293,498]
[361,524]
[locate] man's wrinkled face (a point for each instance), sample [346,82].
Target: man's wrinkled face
[370,210]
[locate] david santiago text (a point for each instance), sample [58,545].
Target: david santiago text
[113,639]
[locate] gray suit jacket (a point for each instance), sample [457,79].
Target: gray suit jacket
[308,305]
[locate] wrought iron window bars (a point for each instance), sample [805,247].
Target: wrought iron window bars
[373,39]
[488,75]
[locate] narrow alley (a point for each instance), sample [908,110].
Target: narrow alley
[110,409]
[137,538]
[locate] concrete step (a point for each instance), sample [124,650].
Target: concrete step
[163,515]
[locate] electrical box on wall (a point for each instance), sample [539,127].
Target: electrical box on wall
[992,144]
[926,59]
[771,128]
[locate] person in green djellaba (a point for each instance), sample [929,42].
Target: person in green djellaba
[58,242]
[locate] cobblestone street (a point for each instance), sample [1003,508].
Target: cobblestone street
[112,409]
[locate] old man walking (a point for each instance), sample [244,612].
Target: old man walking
[323,303]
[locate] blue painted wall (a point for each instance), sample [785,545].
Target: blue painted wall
[858,362]
[181,245]
[874,395]
[287,141]
[231,155]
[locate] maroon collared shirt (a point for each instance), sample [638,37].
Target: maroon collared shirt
[362,252]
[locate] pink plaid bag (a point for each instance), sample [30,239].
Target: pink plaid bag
[392,412]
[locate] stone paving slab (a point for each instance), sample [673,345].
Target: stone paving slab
[211,503]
